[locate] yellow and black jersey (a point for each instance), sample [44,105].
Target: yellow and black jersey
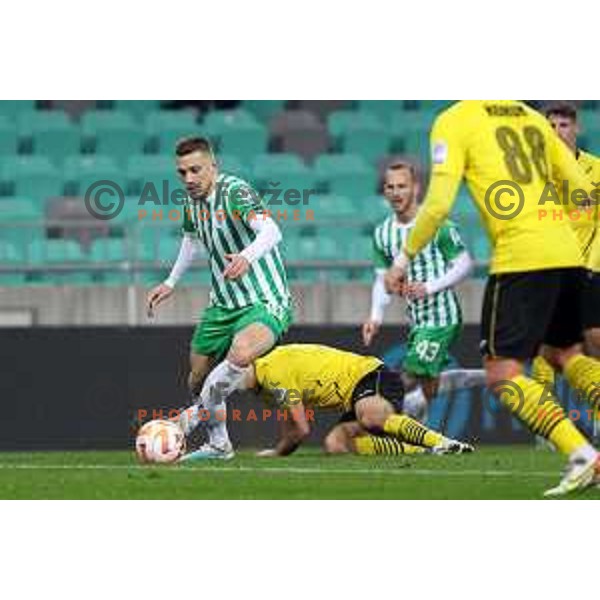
[321,376]
[507,153]
[586,227]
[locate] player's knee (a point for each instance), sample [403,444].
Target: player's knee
[501,370]
[241,353]
[558,357]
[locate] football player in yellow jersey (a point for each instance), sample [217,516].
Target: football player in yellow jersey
[508,154]
[362,388]
[563,118]
[367,394]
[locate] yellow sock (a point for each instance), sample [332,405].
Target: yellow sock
[583,374]
[539,410]
[542,372]
[408,430]
[383,445]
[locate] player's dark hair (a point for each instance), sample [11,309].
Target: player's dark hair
[566,110]
[188,145]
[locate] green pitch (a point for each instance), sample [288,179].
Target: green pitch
[492,472]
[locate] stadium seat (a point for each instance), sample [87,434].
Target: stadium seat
[322,108]
[12,108]
[232,164]
[31,176]
[345,174]
[138,109]
[10,257]
[114,134]
[8,137]
[285,170]
[51,134]
[83,171]
[54,252]
[298,132]
[264,109]
[333,208]
[382,108]
[359,132]
[166,127]
[218,121]
[372,209]
[156,170]
[236,132]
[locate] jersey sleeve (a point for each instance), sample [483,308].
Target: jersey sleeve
[244,202]
[450,241]
[448,159]
[380,260]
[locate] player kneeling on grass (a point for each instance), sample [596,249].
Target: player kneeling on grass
[368,394]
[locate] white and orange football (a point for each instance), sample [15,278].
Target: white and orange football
[159,442]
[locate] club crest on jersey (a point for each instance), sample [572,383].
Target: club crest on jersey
[439,154]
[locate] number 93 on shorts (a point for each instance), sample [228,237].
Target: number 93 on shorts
[428,349]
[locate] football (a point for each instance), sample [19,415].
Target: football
[160,442]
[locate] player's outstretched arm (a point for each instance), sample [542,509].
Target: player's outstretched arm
[293,432]
[164,290]
[379,300]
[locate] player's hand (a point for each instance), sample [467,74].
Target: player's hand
[267,453]
[415,291]
[156,296]
[393,280]
[238,266]
[369,330]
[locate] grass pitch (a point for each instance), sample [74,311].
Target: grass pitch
[507,472]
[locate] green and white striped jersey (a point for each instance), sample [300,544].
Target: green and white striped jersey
[221,223]
[436,310]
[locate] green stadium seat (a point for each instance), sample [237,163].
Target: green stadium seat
[434,106]
[51,133]
[58,251]
[283,172]
[166,127]
[264,109]
[114,134]
[333,208]
[83,171]
[590,122]
[218,121]
[155,170]
[8,137]
[12,108]
[31,176]
[372,209]
[345,174]
[382,108]
[359,132]
[138,109]
[232,164]
[236,132]
[9,257]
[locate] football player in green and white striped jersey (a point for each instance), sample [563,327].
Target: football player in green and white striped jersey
[250,305]
[434,311]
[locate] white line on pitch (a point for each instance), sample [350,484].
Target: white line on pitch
[286,470]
